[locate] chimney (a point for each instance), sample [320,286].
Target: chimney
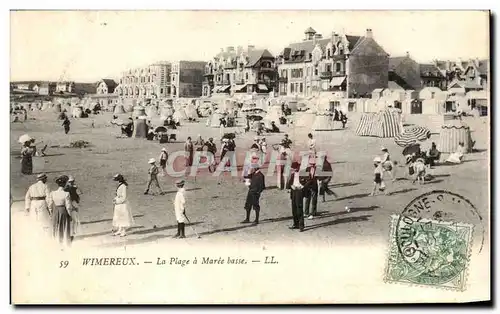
[407,54]
[239,50]
[250,47]
[369,33]
[230,49]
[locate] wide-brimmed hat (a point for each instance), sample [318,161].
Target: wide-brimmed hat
[377,160]
[383,149]
[151,161]
[118,177]
[180,182]
[71,179]
[163,149]
[41,176]
[256,138]
[62,179]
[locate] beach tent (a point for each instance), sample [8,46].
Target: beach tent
[323,122]
[452,133]
[140,128]
[214,120]
[179,115]
[166,111]
[77,112]
[190,111]
[46,105]
[139,111]
[384,124]
[273,114]
[57,108]
[119,109]
[151,111]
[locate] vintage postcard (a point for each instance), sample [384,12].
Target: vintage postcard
[249,157]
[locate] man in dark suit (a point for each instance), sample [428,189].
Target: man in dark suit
[295,185]
[311,190]
[324,178]
[257,185]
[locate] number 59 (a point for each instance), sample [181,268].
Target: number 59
[63,264]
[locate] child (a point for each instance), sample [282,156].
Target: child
[180,209]
[379,173]
[419,170]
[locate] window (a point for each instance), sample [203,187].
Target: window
[338,67]
[328,53]
[301,88]
[308,72]
[328,68]
[416,107]
[246,76]
[433,94]
[161,91]
[350,106]
[316,71]
[284,73]
[291,88]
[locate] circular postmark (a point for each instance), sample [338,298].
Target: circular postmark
[434,236]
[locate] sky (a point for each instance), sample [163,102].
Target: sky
[86,46]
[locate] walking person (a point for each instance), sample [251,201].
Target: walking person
[74,194]
[311,144]
[296,185]
[212,149]
[311,191]
[378,182]
[66,124]
[257,185]
[325,179]
[280,173]
[163,161]
[180,209]
[59,204]
[27,153]
[122,214]
[189,151]
[35,202]
[153,177]
[387,164]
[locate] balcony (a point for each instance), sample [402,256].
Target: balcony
[338,73]
[267,69]
[283,79]
[326,75]
[226,82]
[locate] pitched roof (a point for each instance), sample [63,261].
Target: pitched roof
[429,70]
[307,47]
[393,85]
[255,55]
[309,30]
[394,62]
[483,67]
[110,83]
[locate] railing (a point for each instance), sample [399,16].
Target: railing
[326,75]
[283,79]
[338,73]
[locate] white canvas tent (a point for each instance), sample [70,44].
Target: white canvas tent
[214,120]
[323,122]
[179,115]
[119,109]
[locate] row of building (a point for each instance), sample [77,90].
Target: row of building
[346,66]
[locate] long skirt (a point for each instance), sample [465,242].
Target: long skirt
[122,216]
[27,165]
[75,222]
[61,224]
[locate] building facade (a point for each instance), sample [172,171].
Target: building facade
[346,65]
[187,79]
[240,71]
[106,86]
[410,74]
[65,87]
[47,88]
[152,81]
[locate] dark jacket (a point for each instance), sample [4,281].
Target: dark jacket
[311,181]
[302,179]
[257,182]
[326,172]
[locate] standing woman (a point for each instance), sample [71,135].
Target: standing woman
[59,203]
[122,216]
[27,158]
[387,164]
[74,194]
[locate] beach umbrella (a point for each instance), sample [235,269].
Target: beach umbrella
[24,138]
[160,129]
[412,135]
[411,149]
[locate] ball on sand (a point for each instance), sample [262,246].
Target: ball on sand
[347,209]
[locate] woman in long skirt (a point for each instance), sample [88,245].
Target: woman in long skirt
[122,216]
[74,194]
[27,158]
[60,206]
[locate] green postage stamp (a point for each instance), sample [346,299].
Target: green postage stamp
[428,252]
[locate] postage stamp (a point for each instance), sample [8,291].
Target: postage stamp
[429,252]
[432,239]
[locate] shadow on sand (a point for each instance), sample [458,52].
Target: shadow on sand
[103,233]
[338,221]
[104,220]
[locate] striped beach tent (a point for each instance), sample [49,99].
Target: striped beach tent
[388,124]
[452,133]
[365,125]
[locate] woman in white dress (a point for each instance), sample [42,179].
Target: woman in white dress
[458,156]
[122,216]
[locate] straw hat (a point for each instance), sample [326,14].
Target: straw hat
[163,149]
[377,159]
[180,182]
[151,161]
[41,176]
